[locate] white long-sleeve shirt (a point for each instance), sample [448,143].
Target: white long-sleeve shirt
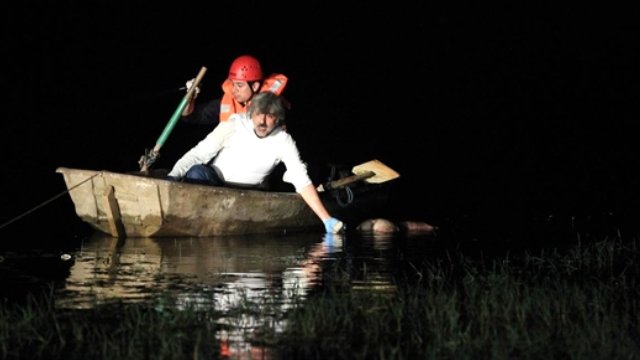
[244,158]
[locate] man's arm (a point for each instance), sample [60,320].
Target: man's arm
[311,197]
[204,151]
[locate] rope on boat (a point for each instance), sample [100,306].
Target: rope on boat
[336,192]
[349,200]
[48,201]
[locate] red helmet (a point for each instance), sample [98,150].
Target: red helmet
[245,68]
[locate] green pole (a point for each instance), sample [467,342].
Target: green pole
[149,158]
[176,115]
[171,124]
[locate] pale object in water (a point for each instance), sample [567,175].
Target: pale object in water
[378,226]
[384,226]
[417,227]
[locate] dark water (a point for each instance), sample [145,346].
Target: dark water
[88,268]
[82,269]
[219,273]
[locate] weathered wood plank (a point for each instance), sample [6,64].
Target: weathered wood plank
[113,213]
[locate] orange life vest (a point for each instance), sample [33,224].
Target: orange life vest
[228,104]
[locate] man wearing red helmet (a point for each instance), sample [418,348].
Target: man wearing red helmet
[244,81]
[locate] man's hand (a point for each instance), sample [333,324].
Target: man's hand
[189,84]
[333,225]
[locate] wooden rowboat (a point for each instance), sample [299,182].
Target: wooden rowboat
[131,205]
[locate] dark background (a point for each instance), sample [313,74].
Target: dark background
[501,114]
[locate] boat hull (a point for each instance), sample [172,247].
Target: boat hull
[127,205]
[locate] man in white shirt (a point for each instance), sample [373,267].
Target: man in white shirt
[246,149]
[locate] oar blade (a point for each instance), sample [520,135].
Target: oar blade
[382,172]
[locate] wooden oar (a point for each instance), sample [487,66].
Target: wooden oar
[150,157]
[372,171]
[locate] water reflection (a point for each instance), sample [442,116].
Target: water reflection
[222,273]
[250,280]
[374,264]
[133,269]
[107,269]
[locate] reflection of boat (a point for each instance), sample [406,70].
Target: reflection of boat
[130,205]
[134,269]
[106,269]
[206,258]
[247,280]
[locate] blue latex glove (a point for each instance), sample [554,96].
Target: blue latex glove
[333,225]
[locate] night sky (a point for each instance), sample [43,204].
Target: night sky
[494,112]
